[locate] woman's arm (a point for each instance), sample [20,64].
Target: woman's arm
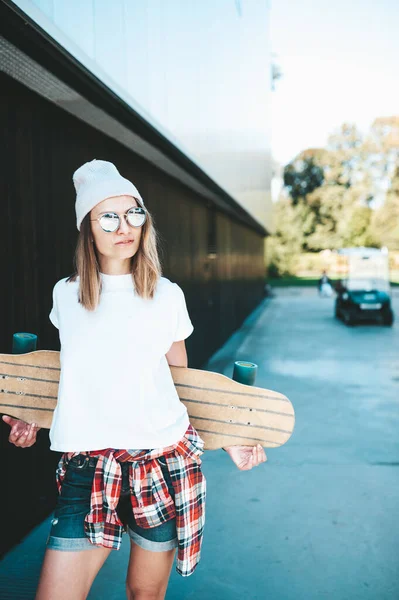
[177,355]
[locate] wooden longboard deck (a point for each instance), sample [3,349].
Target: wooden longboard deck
[224,412]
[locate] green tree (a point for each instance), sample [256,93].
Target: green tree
[355,229]
[301,177]
[327,204]
[385,221]
[287,241]
[334,192]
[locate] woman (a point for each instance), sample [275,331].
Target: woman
[131,459]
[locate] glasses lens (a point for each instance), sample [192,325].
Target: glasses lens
[136,216]
[109,222]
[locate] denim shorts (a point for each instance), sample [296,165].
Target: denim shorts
[73,504]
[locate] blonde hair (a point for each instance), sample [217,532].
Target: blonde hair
[146,266]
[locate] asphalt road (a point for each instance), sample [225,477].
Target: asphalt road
[320,518]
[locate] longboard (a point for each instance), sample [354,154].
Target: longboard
[224,412]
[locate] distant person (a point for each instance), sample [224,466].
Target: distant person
[325,285]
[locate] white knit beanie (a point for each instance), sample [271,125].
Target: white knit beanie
[97,180]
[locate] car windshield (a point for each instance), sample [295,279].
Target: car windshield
[367,285]
[368,272]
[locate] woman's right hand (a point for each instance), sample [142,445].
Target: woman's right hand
[22,434]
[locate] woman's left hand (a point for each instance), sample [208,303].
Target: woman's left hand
[246,457]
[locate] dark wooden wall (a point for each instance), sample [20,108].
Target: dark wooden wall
[40,148]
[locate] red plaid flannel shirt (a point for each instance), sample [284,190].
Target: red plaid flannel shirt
[151,501]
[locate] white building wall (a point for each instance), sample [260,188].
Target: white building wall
[199,70]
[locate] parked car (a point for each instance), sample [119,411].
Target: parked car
[364,292]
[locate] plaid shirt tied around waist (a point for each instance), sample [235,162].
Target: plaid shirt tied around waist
[151,501]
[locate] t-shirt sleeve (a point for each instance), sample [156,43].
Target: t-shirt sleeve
[184,327]
[53,316]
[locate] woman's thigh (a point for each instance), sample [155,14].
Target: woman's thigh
[152,553]
[71,562]
[69,575]
[148,572]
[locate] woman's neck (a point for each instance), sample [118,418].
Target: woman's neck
[116,267]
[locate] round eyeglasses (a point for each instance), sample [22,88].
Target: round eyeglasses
[111,221]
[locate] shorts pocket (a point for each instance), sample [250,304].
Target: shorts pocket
[78,478]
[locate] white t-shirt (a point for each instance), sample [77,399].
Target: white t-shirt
[116,389]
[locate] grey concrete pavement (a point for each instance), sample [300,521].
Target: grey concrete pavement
[319,519]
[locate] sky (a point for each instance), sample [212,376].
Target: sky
[340,63]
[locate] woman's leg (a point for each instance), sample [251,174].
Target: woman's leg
[71,562]
[148,573]
[152,553]
[69,575]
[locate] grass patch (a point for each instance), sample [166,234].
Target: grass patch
[307,281]
[293,281]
